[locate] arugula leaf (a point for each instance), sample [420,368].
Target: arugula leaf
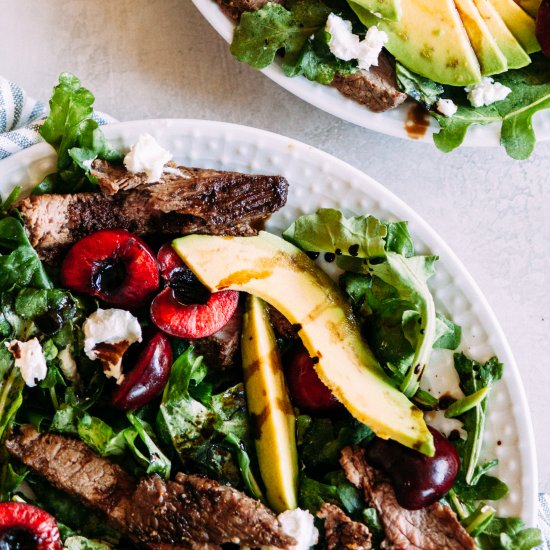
[194,422]
[262,33]
[422,89]
[11,476]
[328,230]
[313,494]
[11,391]
[75,135]
[473,377]
[509,534]
[316,62]
[21,266]
[530,93]
[77,542]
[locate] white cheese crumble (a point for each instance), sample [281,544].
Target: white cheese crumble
[29,358]
[343,43]
[346,46]
[446,107]
[147,156]
[487,92]
[370,48]
[108,333]
[67,364]
[300,525]
[437,420]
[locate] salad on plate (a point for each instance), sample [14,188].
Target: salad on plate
[467,62]
[173,376]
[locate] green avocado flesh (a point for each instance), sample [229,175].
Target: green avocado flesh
[521,25]
[387,9]
[516,56]
[430,40]
[489,55]
[270,408]
[282,275]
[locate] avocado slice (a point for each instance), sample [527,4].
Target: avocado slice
[285,277]
[521,25]
[387,9]
[270,408]
[428,39]
[489,55]
[530,6]
[516,56]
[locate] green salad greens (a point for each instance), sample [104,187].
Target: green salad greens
[297,31]
[200,423]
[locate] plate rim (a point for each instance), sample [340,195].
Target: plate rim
[478,136]
[365,184]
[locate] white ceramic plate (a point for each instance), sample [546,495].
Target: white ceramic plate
[332,101]
[320,180]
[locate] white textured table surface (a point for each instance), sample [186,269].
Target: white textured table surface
[159,58]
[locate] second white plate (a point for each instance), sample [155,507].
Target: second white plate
[332,101]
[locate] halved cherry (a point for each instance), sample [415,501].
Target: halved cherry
[148,377]
[543,27]
[113,265]
[184,320]
[25,526]
[306,389]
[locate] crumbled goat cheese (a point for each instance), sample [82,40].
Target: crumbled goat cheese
[147,156]
[300,525]
[346,46]
[29,358]
[487,92]
[370,48]
[343,43]
[68,364]
[447,107]
[108,333]
[437,420]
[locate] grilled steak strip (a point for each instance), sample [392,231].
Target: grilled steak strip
[70,465]
[376,88]
[432,528]
[341,532]
[190,513]
[202,510]
[234,8]
[221,348]
[191,201]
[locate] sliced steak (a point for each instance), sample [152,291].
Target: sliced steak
[190,513]
[282,326]
[375,88]
[184,201]
[432,528]
[341,532]
[220,350]
[70,465]
[196,508]
[234,8]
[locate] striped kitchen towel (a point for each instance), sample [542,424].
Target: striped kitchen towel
[20,118]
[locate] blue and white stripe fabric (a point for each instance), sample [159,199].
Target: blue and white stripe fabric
[20,118]
[544,519]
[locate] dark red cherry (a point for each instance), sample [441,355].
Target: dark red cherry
[148,377]
[25,526]
[306,389]
[418,480]
[185,320]
[113,265]
[543,27]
